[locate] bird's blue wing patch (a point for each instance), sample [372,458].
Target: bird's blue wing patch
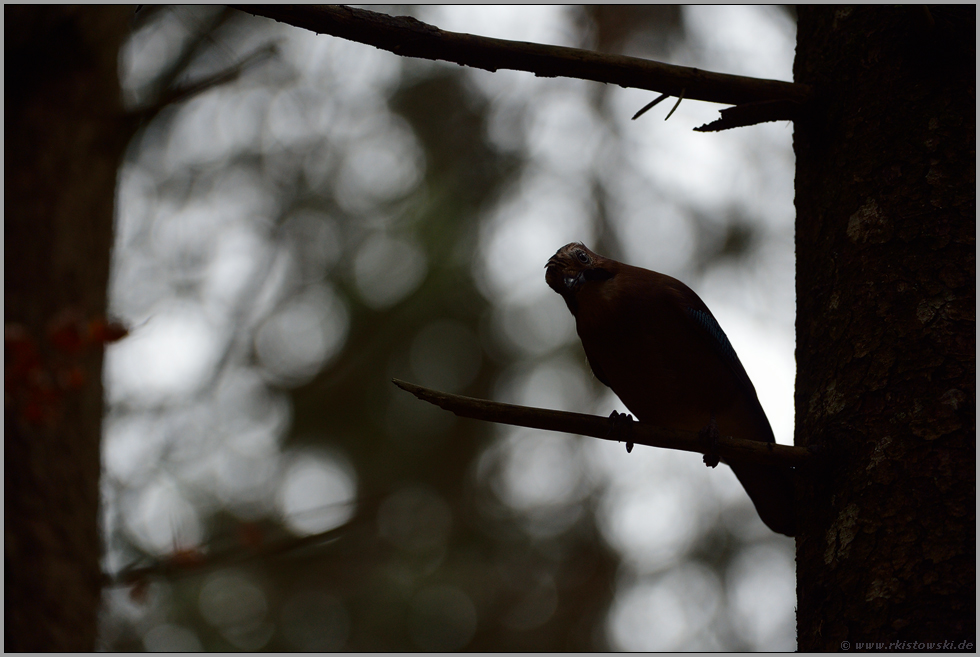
[707,322]
[710,324]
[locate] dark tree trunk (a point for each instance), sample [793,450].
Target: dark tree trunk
[65,134]
[886,360]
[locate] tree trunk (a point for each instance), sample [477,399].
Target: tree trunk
[65,134]
[886,369]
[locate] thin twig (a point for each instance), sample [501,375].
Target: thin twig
[649,106]
[676,105]
[730,449]
[406,36]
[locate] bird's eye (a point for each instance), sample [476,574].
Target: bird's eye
[582,256]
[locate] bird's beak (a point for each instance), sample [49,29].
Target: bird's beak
[562,282]
[556,278]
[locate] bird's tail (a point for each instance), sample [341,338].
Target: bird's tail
[771,490]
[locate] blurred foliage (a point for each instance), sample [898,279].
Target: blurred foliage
[377,217]
[633,30]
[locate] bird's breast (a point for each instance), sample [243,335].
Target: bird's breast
[654,362]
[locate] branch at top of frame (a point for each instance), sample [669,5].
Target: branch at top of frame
[406,36]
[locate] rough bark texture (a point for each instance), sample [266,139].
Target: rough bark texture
[65,134]
[886,365]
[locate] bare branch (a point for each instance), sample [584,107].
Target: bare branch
[752,114]
[730,449]
[190,563]
[409,37]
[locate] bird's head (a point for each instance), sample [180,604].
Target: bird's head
[574,267]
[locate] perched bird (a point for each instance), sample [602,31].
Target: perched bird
[652,340]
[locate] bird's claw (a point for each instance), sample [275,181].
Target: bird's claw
[709,437]
[622,423]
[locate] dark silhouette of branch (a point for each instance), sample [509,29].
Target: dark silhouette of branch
[189,562]
[753,113]
[649,106]
[730,449]
[409,37]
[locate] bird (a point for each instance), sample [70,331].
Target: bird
[653,341]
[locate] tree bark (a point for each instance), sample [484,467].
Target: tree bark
[886,365]
[65,135]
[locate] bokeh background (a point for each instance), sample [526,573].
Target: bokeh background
[335,216]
